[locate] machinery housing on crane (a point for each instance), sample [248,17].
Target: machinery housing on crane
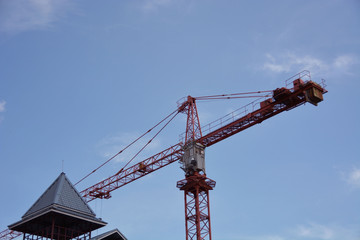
[190,151]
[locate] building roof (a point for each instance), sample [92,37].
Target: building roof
[62,205]
[61,192]
[114,234]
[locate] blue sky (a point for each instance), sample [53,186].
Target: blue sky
[81,79]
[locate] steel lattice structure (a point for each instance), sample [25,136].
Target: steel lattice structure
[196,185]
[197,205]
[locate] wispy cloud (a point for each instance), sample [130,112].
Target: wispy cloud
[23,15]
[345,62]
[111,145]
[2,106]
[310,231]
[153,5]
[2,109]
[353,177]
[266,237]
[315,231]
[291,62]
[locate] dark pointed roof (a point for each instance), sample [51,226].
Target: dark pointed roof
[62,205]
[114,234]
[61,192]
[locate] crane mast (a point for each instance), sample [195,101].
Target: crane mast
[191,151]
[196,185]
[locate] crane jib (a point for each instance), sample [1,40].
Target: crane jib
[283,99]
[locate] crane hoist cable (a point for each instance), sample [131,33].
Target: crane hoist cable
[133,142]
[222,96]
[234,95]
[176,113]
[210,97]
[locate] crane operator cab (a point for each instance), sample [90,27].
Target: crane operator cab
[193,159]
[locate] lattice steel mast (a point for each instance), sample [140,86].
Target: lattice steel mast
[191,151]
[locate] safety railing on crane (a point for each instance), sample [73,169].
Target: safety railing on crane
[251,107]
[305,76]
[230,117]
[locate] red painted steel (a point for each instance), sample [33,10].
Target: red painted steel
[290,100]
[193,129]
[9,234]
[197,208]
[162,159]
[195,189]
[196,186]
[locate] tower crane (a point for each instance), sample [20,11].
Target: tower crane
[190,151]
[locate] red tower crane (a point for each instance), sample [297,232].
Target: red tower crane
[190,152]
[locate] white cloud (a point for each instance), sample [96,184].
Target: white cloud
[276,67]
[272,238]
[23,15]
[152,5]
[254,237]
[2,105]
[353,177]
[272,66]
[345,62]
[312,231]
[269,237]
[315,231]
[290,62]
